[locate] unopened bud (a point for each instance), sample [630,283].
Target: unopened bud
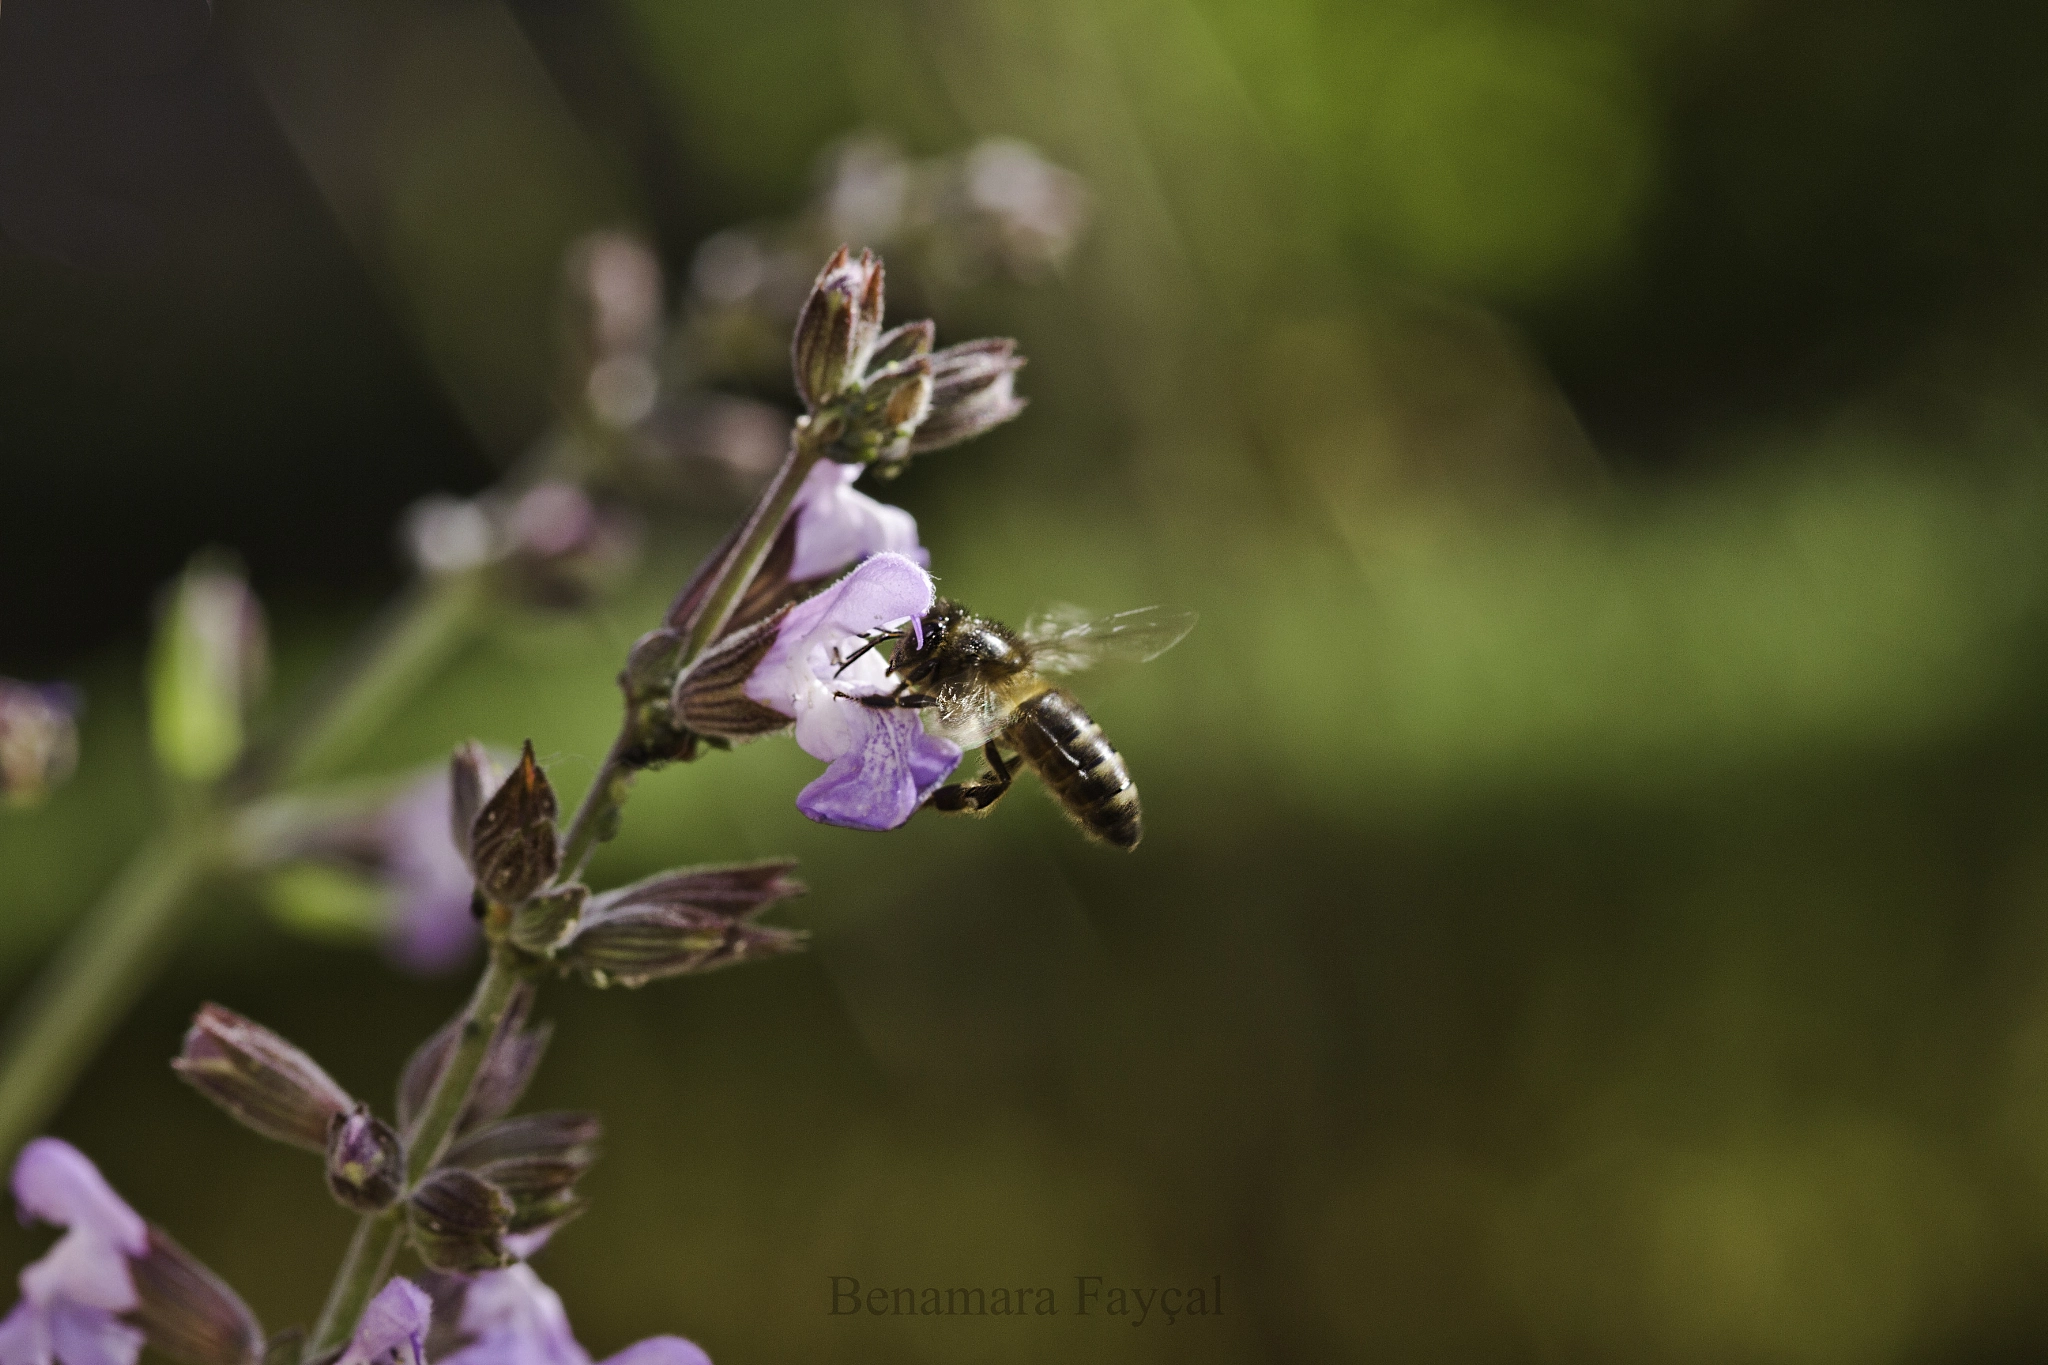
[837,331]
[695,920]
[512,844]
[536,1159]
[458,1221]
[260,1079]
[633,947]
[542,922]
[711,699]
[877,422]
[38,739]
[188,1312]
[907,342]
[207,665]
[365,1162]
[973,390]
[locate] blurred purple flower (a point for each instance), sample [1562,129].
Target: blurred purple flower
[431,929]
[882,764]
[39,737]
[393,1329]
[70,1299]
[510,1318]
[837,525]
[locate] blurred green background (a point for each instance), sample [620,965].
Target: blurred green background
[1595,897]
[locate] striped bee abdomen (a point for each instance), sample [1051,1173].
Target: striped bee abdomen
[1078,765]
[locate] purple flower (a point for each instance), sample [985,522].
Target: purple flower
[882,764]
[392,1328]
[837,525]
[70,1299]
[510,1318]
[39,736]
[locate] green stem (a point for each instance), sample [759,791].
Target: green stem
[607,791]
[370,1252]
[85,989]
[107,959]
[414,636]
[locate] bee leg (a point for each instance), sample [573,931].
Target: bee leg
[973,798]
[898,700]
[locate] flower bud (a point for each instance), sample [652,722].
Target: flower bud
[973,390]
[694,920]
[541,924]
[365,1162]
[877,421]
[633,947]
[512,844]
[711,699]
[838,328]
[207,665]
[260,1079]
[38,739]
[907,342]
[458,1221]
[187,1311]
[536,1159]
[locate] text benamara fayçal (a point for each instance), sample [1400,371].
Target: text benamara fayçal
[1089,1297]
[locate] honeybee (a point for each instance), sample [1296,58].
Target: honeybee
[979,682]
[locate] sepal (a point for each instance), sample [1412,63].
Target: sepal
[458,1221]
[261,1080]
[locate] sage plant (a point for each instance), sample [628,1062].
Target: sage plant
[642,421]
[773,633]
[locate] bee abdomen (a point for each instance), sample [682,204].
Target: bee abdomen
[1079,766]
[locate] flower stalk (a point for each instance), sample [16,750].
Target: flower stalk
[377,1238]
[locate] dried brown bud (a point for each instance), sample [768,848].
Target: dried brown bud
[365,1162]
[187,1311]
[458,1221]
[513,842]
[260,1079]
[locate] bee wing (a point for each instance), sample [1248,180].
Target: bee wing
[968,716]
[1060,644]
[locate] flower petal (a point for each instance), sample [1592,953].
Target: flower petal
[396,1321]
[514,1319]
[81,1335]
[884,775]
[838,525]
[796,676]
[54,1182]
[661,1351]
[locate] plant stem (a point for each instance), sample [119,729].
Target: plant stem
[83,991]
[415,635]
[106,960]
[370,1252]
[608,789]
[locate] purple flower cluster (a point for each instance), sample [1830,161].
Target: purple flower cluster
[80,1304]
